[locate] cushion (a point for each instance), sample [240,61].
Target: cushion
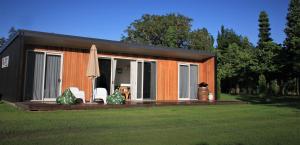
[66,98]
[116,98]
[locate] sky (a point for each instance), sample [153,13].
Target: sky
[107,19]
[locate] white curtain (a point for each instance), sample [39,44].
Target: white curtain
[183,81]
[52,76]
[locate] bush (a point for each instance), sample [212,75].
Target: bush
[116,98]
[274,88]
[262,84]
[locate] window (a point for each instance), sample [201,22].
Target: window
[188,80]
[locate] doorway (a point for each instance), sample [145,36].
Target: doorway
[138,76]
[103,81]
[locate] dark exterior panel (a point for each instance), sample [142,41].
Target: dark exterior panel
[10,81]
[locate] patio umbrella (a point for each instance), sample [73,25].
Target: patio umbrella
[93,67]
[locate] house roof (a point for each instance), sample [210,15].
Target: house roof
[108,46]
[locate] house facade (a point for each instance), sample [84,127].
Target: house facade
[39,66]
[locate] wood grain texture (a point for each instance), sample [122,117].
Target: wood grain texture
[74,72]
[207,74]
[167,80]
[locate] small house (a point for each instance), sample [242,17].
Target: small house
[39,66]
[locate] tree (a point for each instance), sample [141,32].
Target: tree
[234,64]
[266,58]
[234,55]
[264,28]
[2,41]
[226,37]
[169,30]
[292,41]
[12,31]
[267,51]
[201,39]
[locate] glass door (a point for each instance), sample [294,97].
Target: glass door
[52,77]
[140,69]
[43,76]
[183,82]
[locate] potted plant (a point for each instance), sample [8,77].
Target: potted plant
[203,91]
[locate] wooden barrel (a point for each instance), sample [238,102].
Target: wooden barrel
[203,93]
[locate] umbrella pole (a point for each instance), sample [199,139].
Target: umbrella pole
[93,86]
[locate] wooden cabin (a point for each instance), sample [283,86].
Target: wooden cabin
[40,66]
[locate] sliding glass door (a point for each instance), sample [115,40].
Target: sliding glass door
[140,80]
[143,80]
[183,82]
[188,80]
[43,76]
[142,75]
[149,80]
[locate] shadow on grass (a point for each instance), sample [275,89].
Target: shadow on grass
[282,101]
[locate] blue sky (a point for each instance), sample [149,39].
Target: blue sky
[107,19]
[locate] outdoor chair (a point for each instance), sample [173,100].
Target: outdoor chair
[77,93]
[100,93]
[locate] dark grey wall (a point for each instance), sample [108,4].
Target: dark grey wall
[11,76]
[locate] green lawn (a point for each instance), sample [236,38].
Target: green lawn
[183,125]
[227,97]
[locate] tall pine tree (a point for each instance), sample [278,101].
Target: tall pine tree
[264,28]
[292,42]
[267,51]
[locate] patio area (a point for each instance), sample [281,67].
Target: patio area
[51,106]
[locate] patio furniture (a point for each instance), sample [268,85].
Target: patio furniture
[77,93]
[100,93]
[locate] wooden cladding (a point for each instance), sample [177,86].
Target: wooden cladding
[75,65]
[74,72]
[207,74]
[167,77]
[167,80]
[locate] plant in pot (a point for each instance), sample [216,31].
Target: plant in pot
[203,91]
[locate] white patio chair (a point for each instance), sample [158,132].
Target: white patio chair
[77,93]
[100,93]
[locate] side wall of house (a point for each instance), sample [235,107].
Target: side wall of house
[167,77]
[10,77]
[207,74]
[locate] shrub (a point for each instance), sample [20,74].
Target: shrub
[262,84]
[274,88]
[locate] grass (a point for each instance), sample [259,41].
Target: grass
[228,97]
[175,125]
